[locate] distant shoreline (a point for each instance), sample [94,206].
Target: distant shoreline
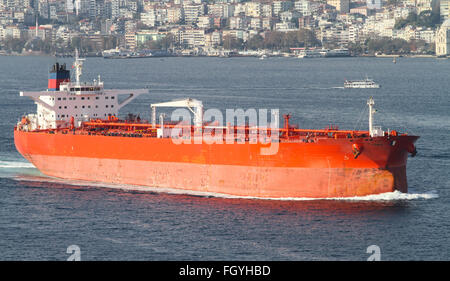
[241,56]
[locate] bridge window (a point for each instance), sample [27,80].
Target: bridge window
[112,98]
[82,98]
[59,98]
[106,98]
[106,106]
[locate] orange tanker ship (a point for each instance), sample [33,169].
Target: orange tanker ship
[75,135]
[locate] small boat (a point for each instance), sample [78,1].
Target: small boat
[313,53]
[361,84]
[394,60]
[263,57]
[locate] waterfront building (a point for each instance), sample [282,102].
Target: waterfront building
[148,35]
[253,9]
[213,39]
[285,26]
[130,41]
[238,22]
[428,35]
[267,23]
[373,4]
[267,10]
[289,16]
[193,38]
[115,9]
[342,6]
[255,23]
[192,12]
[221,10]
[445,10]
[281,6]
[149,18]
[10,32]
[205,22]
[306,7]
[174,15]
[425,5]
[443,39]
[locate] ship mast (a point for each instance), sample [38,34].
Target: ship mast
[37,28]
[370,103]
[78,65]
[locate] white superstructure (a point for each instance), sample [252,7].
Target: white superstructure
[314,53]
[81,101]
[361,84]
[374,131]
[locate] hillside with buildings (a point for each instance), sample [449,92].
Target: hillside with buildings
[210,27]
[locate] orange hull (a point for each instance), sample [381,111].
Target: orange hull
[323,169]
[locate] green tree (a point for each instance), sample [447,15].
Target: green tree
[167,42]
[150,44]
[388,46]
[255,42]
[307,37]
[424,19]
[14,44]
[273,40]
[109,42]
[232,43]
[285,40]
[356,48]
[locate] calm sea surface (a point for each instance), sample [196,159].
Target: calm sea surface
[40,216]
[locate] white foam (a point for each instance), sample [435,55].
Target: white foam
[388,196]
[15,164]
[392,196]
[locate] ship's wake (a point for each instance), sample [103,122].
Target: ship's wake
[392,196]
[388,196]
[15,165]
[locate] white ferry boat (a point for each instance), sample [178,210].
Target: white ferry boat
[338,53]
[361,84]
[314,53]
